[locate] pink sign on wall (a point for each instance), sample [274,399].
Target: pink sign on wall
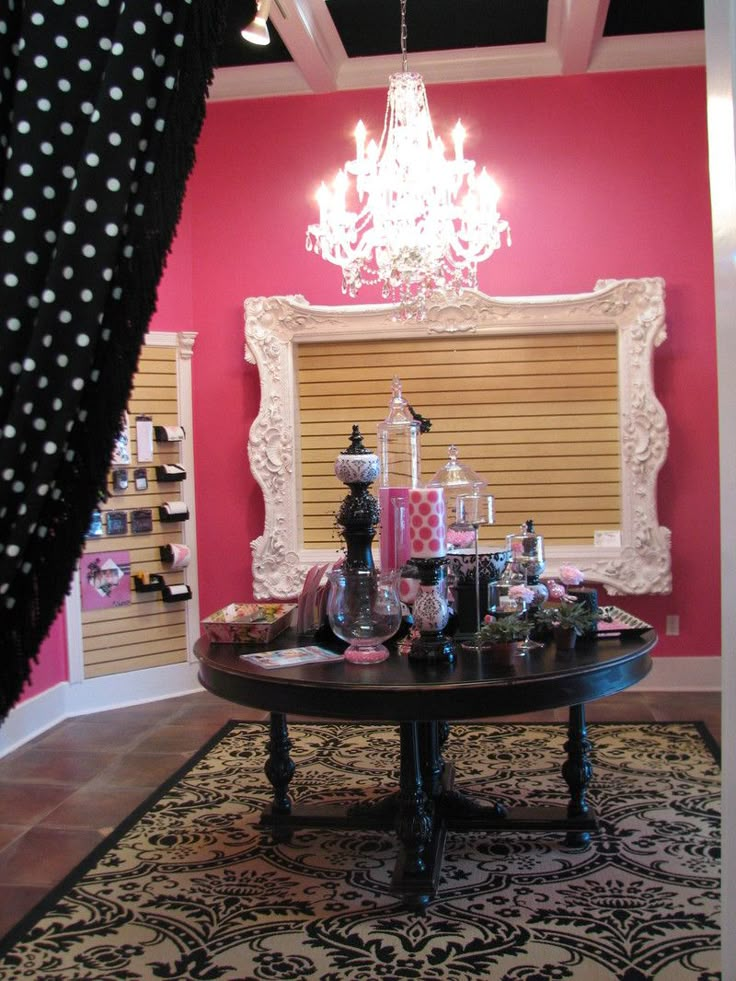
[105,579]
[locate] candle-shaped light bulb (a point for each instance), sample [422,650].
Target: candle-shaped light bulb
[360,132]
[323,200]
[340,187]
[488,192]
[458,139]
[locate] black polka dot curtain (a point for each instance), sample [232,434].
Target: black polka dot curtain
[101,104]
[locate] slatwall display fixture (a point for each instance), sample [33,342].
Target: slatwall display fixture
[536,415]
[151,618]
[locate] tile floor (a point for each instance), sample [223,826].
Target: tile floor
[64,791]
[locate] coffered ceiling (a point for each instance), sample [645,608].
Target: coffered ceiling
[329,45]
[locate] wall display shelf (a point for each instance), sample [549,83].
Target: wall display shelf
[168,473]
[168,434]
[152,622]
[171,511]
[147,584]
[490,363]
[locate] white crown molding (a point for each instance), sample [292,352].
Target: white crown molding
[632,307]
[574,45]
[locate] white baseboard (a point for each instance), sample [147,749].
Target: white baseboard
[683,674]
[36,715]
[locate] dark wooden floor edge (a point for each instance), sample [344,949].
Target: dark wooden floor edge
[109,841]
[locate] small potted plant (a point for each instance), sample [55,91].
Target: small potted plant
[568,621]
[500,634]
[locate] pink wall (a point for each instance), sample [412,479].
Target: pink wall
[52,667]
[603,176]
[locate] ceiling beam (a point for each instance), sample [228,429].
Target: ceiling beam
[580,31]
[309,33]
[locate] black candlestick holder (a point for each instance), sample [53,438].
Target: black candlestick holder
[431,614]
[359,512]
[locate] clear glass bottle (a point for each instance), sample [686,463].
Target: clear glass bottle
[400,470]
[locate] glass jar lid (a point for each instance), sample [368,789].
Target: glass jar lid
[456,477]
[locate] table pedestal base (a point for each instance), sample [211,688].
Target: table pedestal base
[427,805]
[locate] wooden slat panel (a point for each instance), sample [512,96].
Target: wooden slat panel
[148,632]
[133,664]
[535,415]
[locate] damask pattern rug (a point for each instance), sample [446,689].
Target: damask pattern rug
[190,888]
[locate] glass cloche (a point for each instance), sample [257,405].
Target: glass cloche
[456,478]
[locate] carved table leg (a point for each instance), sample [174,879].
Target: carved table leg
[431,761]
[417,867]
[577,772]
[279,766]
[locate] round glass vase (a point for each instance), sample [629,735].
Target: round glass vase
[364,609]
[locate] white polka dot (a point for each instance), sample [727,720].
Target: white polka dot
[29,364]
[47,148]
[64,84]
[113,184]
[111,229]
[62,360]
[26,170]
[139,27]
[116,93]
[90,204]
[43,104]
[10,279]
[60,41]
[91,159]
[8,473]
[48,296]
[84,64]
[8,235]
[13,550]
[82,340]
[87,296]
[49,447]
[69,227]
[29,214]
[40,61]
[31,258]
[78,384]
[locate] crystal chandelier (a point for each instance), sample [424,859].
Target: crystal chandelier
[413,220]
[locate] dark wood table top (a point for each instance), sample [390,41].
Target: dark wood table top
[400,690]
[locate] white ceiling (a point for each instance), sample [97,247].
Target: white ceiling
[574,45]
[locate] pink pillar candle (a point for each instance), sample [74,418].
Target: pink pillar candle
[394,527]
[427,522]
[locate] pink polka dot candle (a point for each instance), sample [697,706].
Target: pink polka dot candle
[427,522]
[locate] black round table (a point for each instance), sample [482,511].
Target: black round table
[422,699]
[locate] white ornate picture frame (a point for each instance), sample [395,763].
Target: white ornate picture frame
[634,308]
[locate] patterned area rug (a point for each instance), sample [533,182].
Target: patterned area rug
[190,888]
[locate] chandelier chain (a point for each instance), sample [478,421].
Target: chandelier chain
[404,60]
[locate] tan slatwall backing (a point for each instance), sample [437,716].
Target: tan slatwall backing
[149,632]
[535,415]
